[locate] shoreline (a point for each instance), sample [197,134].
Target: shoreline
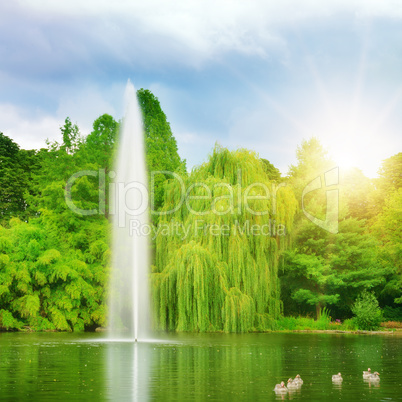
[395,331]
[339,331]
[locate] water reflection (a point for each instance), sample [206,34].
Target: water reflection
[371,383]
[128,368]
[49,367]
[221,367]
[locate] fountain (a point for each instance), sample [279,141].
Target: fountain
[129,305]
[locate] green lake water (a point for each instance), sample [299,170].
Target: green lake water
[197,367]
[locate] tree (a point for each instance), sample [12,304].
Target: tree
[71,136]
[217,275]
[45,282]
[272,172]
[161,147]
[389,180]
[16,169]
[54,265]
[356,191]
[331,269]
[100,143]
[387,227]
[391,173]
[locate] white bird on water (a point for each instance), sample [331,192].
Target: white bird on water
[337,378]
[375,377]
[280,387]
[292,385]
[298,380]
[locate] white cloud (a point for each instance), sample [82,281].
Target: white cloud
[87,103]
[52,50]
[192,32]
[359,132]
[28,133]
[30,128]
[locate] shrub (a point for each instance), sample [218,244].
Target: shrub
[368,315]
[349,325]
[304,323]
[324,321]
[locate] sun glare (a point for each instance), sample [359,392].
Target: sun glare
[353,144]
[344,159]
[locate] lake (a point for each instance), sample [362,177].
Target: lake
[197,367]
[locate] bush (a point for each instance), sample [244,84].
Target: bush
[349,325]
[324,321]
[368,315]
[304,323]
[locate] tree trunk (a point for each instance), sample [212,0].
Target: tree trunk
[318,310]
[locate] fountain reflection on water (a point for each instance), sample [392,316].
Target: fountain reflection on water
[129,304]
[128,369]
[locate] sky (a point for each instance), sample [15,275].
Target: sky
[261,75]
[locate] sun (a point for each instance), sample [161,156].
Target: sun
[352,145]
[345,159]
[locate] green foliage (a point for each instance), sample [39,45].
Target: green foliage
[7,320]
[392,313]
[388,230]
[304,323]
[161,147]
[71,136]
[389,181]
[49,289]
[54,263]
[325,268]
[273,173]
[16,169]
[100,143]
[206,280]
[356,191]
[390,173]
[368,315]
[349,325]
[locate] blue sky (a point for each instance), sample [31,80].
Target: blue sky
[261,75]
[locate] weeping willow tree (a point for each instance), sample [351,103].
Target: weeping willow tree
[218,244]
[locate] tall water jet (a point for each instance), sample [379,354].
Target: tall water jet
[129,304]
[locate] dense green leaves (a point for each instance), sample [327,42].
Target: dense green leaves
[16,169]
[161,148]
[368,315]
[213,273]
[54,266]
[331,269]
[220,262]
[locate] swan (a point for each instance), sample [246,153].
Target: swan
[374,377]
[337,378]
[298,380]
[280,387]
[292,385]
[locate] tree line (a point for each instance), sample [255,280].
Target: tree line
[55,264]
